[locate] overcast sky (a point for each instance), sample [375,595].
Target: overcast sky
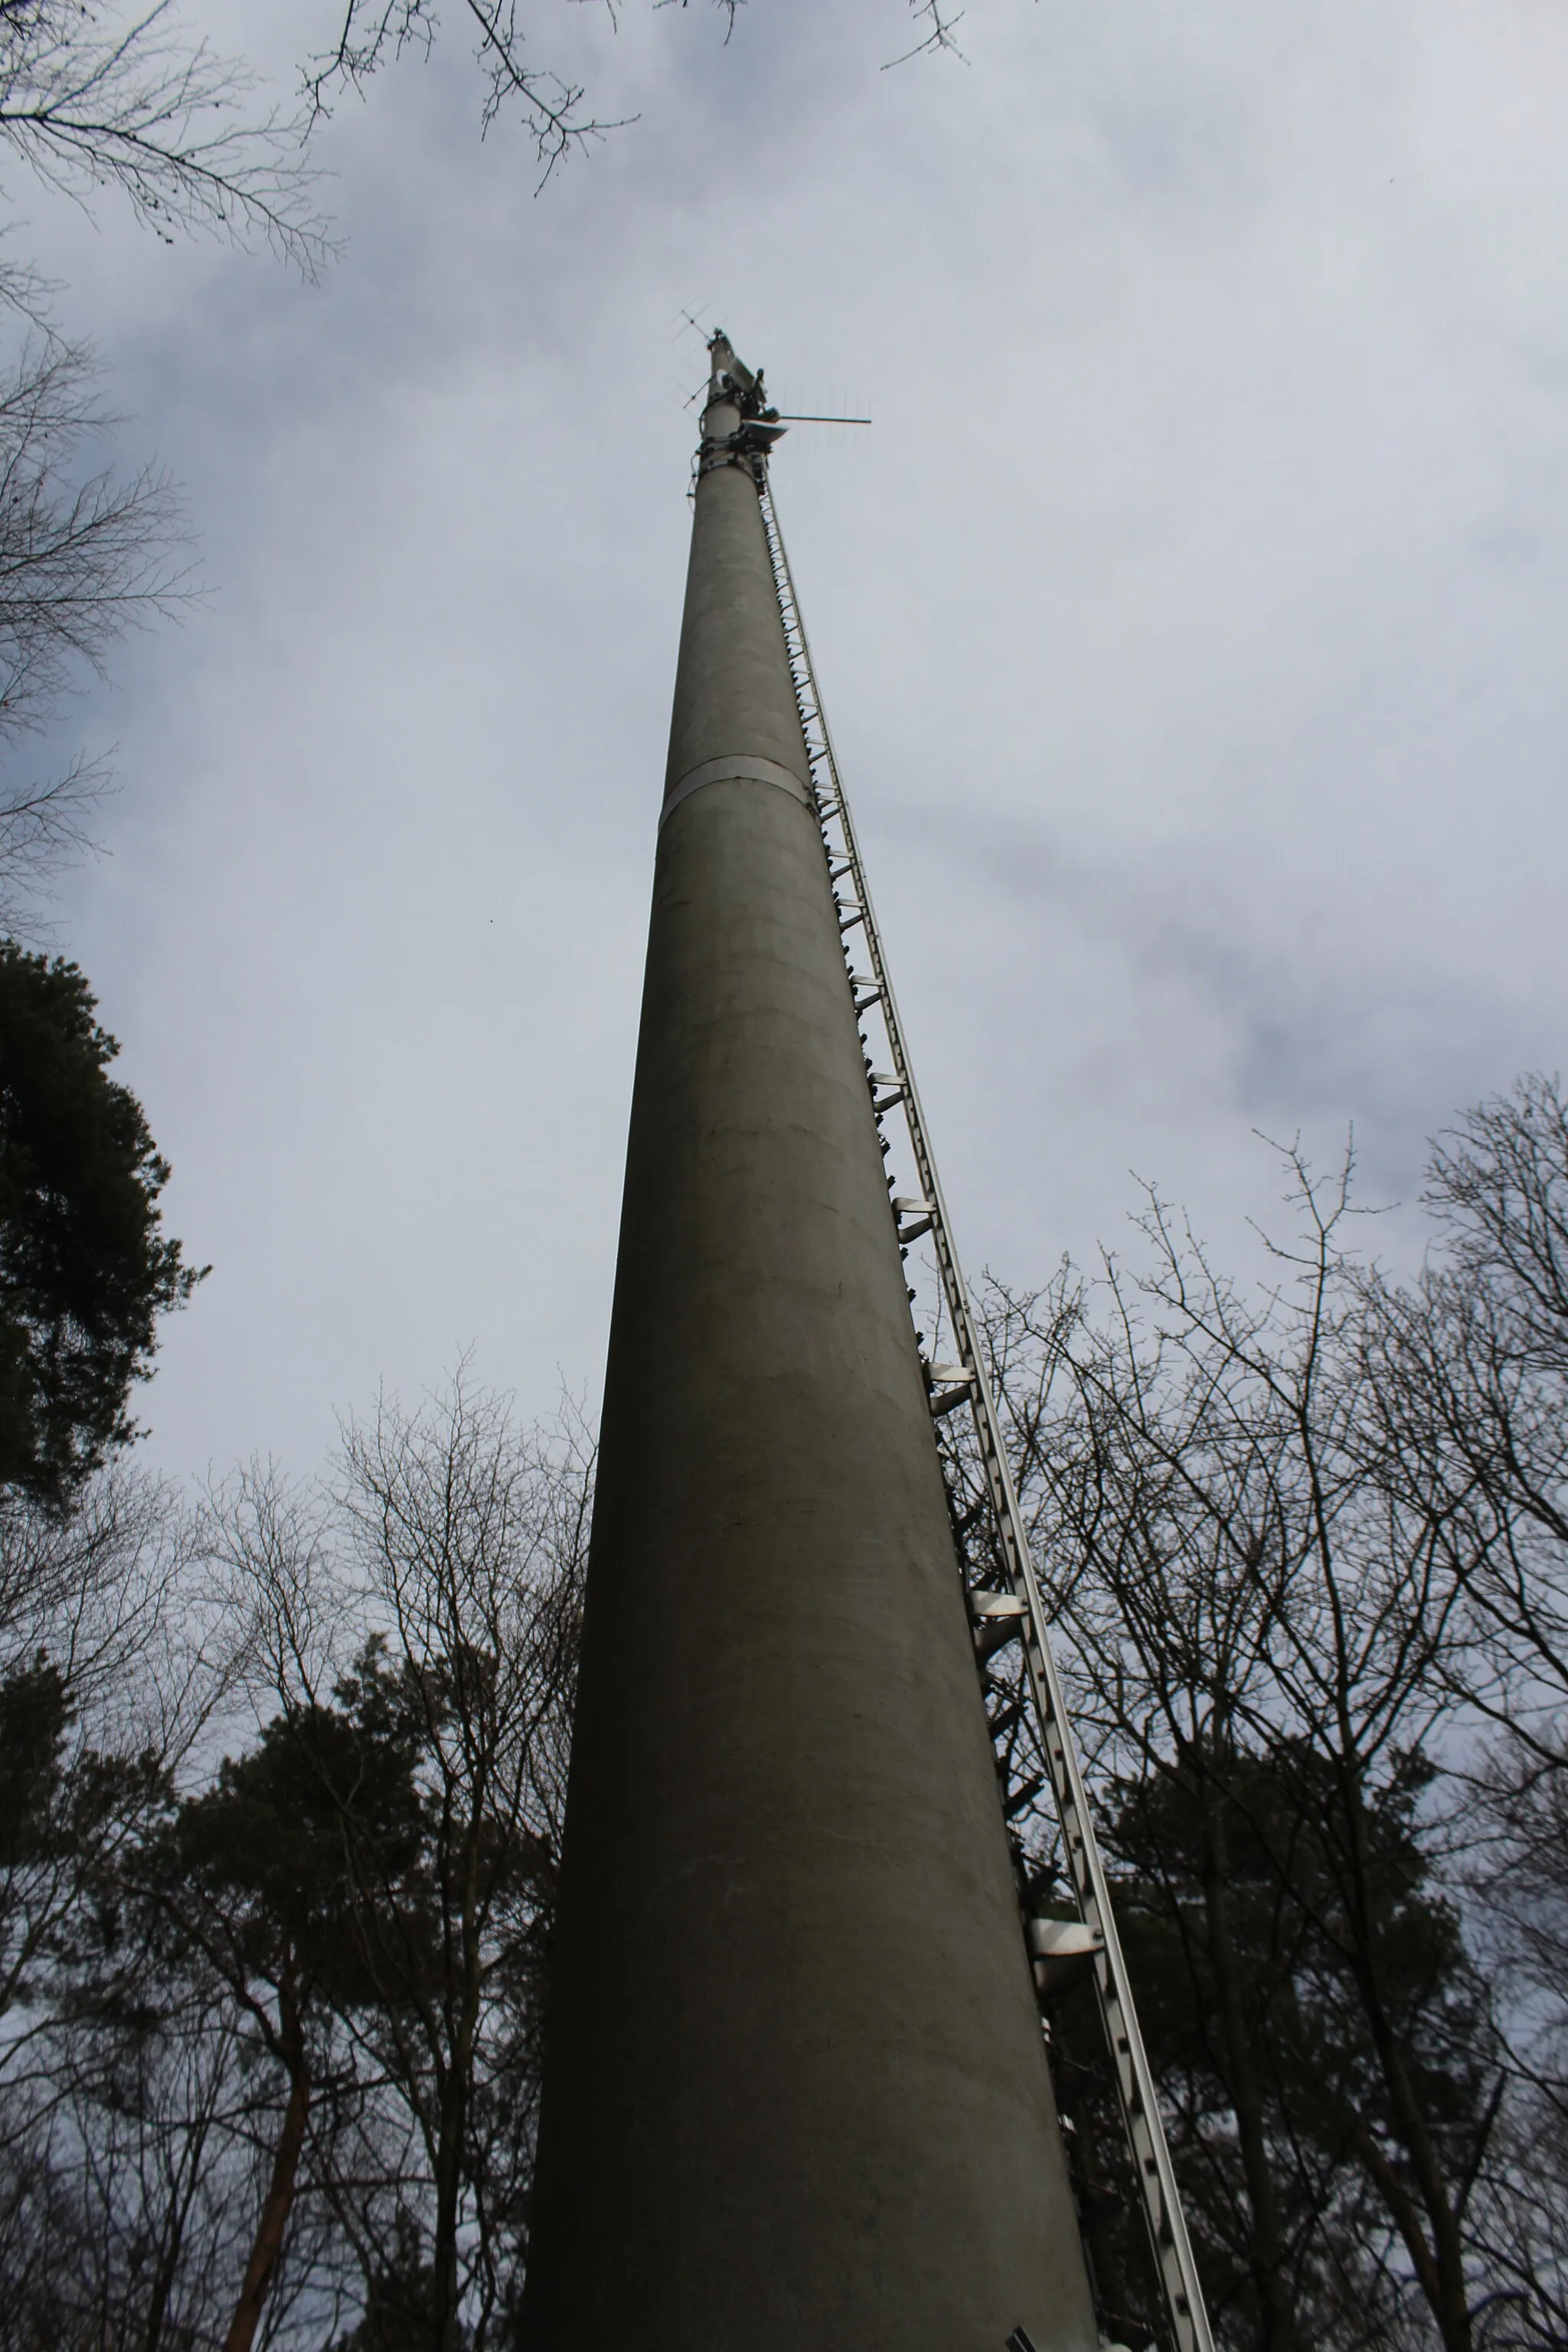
[1191,620]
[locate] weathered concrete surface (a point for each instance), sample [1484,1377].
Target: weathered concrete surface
[795,2095]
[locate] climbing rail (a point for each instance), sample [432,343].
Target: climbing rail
[1016,1611]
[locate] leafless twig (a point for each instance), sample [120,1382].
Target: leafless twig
[91,100]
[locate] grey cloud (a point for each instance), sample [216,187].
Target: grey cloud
[1191,621]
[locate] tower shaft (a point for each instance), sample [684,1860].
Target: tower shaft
[795,2092]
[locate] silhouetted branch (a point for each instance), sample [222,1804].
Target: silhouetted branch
[943,25]
[81,561]
[89,101]
[375,33]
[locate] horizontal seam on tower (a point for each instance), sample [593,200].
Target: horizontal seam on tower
[734,768]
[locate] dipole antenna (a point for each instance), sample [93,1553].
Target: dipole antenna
[753,400]
[1016,1612]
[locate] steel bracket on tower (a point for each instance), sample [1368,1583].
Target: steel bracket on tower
[747,448]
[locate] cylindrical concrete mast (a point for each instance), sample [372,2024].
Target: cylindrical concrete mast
[796,2098]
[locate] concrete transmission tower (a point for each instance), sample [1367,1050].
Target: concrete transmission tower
[797,2096]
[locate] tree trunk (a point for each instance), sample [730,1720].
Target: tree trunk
[1442,2276]
[169,2260]
[1277,2323]
[454,2119]
[1440,2261]
[267,2245]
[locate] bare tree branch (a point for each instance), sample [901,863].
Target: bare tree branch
[92,99]
[84,556]
[372,34]
[942,36]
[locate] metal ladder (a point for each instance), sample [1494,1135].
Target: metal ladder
[1016,1612]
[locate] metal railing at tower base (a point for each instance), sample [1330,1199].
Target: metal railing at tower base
[1016,1611]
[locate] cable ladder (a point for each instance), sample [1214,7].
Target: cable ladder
[1020,1610]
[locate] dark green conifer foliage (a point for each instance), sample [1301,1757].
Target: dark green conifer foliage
[84,1269]
[1250,1847]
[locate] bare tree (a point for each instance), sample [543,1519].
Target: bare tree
[419,1625]
[1468,1369]
[104,1688]
[272,2023]
[83,557]
[1258,1632]
[372,34]
[1518,2227]
[110,2078]
[97,97]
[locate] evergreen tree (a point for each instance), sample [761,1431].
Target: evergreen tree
[1259,1990]
[261,1875]
[84,1269]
